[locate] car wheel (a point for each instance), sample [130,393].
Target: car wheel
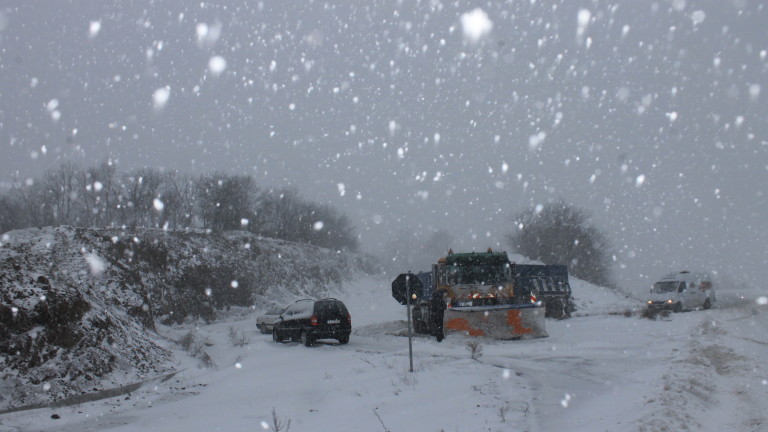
[707,303]
[305,339]
[678,307]
[343,339]
[263,328]
[276,335]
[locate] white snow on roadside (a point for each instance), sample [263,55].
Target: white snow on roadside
[700,370]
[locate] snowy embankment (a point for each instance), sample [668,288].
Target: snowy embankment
[600,370]
[79,307]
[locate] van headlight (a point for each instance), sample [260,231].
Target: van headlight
[669,301]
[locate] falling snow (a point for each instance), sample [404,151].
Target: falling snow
[96,264]
[94,28]
[160,97]
[217,65]
[476,25]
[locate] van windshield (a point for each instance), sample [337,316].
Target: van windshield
[665,287]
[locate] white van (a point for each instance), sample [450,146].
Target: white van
[682,291]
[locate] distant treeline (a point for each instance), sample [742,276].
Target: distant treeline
[101,196]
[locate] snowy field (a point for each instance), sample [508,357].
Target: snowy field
[605,369]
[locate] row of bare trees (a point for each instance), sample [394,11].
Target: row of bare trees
[102,196]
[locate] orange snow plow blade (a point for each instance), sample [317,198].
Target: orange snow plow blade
[498,322]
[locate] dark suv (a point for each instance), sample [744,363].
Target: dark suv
[310,320]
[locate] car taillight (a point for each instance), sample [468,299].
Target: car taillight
[313,320]
[533,298]
[349,318]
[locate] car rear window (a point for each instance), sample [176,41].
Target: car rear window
[330,309]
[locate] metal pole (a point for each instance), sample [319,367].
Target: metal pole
[408,302]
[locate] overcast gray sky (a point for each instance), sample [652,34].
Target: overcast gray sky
[650,114]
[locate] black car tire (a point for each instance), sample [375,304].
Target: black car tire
[276,335]
[306,340]
[707,303]
[343,339]
[263,328]
[678,307]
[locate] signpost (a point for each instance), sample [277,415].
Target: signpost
[406,288]
[408,309]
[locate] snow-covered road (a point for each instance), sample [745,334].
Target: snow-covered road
[599,371]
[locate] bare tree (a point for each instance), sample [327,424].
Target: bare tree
[341,232]
[559,233]
[326,227]
[284,214]
[62,188]
[34,204]
[99,196]
[101,188]
[138,191]
[281,214]
[179,193]
[10,214]
[226,201]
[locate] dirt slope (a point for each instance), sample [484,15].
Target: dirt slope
[78,307]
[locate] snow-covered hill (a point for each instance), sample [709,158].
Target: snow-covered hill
[79,306]
[604,369]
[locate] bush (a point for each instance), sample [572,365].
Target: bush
[475,349]
[193,345]
[238,337]
[653,314]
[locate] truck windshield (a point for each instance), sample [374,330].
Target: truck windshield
[478,274]
[665,287]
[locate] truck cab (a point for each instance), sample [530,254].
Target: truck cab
[682,291]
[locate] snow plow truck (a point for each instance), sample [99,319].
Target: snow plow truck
[480,295]
[550,284]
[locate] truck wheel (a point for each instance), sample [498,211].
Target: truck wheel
[276,336]
[707,303]
[306,340]
[419,326]
[678,307]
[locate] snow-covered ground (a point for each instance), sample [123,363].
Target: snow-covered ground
[598,371]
